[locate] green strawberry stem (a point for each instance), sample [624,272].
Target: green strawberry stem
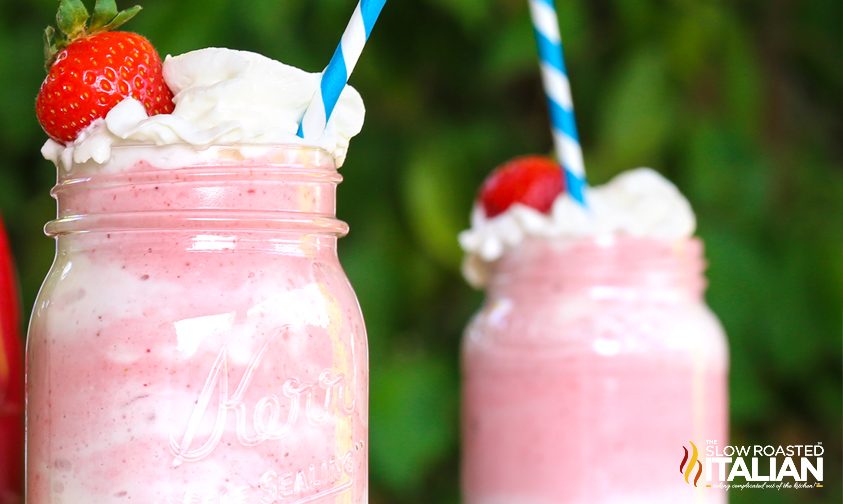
[104,12]
[71,18]
[74,22]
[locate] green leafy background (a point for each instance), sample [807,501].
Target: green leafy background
[738,102]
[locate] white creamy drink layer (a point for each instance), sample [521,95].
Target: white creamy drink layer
[639,203]
[222,97]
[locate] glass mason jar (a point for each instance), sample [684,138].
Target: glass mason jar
[196,340]
[590,368]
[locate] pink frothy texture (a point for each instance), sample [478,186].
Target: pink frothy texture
[201,344]
[590,366]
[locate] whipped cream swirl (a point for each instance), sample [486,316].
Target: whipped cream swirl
[222,97]
[638,203]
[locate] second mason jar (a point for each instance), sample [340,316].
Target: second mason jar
[196,339]
[591,369]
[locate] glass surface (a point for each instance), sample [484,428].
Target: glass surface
[589,367]
[196,339]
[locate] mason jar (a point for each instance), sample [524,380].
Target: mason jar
[196,339]
[591,373]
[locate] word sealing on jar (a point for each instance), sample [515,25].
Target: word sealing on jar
[316,481]
[314,402]
[329,477]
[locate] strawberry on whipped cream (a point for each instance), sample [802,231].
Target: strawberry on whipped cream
[638,203]
[222,97]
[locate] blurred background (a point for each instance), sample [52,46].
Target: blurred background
[737,102]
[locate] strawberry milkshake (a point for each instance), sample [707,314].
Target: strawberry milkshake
[594,359]
[196,340]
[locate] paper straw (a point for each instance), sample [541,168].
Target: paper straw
[336,74]
[558,90]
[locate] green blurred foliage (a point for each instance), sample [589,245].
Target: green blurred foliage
[738,102]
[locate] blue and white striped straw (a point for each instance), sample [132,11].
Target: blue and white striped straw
[558,90]
[336,74]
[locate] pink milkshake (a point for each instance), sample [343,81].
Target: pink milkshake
[196,340]
[594,359]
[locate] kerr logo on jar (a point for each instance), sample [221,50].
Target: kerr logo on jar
[316,402]
[754,466]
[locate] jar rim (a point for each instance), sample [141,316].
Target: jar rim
[200,147]
[601,260]
[128,157]
[261,186]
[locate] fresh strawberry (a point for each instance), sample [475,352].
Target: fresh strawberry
[91,69]
[534,181]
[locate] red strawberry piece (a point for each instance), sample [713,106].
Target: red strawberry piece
[91,69]
[534,181]
[11,380]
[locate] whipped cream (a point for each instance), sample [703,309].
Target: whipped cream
[221,96]
[638,203]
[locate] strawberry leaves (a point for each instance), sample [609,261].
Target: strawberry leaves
[107,18]
[75,22]
[104,12]
[71,18]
